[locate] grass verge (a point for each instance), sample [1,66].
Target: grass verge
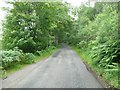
[17,67]
[110,77]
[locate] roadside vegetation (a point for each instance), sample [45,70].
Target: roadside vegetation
[107,75]
[33,33]
[97,39]
[32,29]
[18,60]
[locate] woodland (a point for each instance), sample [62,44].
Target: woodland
[32,29]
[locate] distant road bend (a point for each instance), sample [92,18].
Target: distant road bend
[64,69]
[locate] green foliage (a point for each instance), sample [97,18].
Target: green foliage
[100,34]
[82,44]
[10,57]
[109,74]
[15,56]
[29,58]
[35,26]
[46,50]
[97,34]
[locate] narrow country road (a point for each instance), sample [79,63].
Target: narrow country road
[64,69]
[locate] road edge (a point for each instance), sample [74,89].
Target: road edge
[98,77]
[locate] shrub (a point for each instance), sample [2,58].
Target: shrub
[10,57]
[46,50]
[82,44]
[29,58]
[15,56]
[38,53]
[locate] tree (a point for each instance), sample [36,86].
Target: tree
[33,26]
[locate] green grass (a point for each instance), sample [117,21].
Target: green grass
[45,55]
[110,77]
[13,69]
[17,67]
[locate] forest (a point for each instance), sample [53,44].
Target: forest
[32,29]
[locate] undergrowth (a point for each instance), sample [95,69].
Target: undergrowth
[109,75]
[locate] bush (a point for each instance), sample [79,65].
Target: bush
[82,44]
[10,57]
[28,58]
[105,54]
[46,50]
[38,53]
[50,48]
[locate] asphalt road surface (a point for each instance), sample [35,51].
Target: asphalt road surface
[64,69]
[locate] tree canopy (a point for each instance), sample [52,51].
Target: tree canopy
[35,26]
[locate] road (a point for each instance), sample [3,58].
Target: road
[64,69]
